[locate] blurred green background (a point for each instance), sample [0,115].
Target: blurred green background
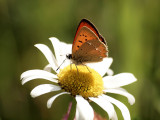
[130,27]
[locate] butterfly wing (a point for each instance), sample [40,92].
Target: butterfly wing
[82,36]
[88,47]
[88,24]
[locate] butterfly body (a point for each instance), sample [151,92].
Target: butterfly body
[88,45]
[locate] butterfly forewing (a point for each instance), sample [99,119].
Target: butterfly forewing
[82,36]
[89,25]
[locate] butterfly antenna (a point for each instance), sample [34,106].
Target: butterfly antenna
[61,64]
[63,55]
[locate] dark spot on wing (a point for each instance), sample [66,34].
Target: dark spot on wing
[80,41]
[85,39]
[78,46]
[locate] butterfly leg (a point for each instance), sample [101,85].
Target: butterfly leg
[77,69]
[71,66]
[86,67]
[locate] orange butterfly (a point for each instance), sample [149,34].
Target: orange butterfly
[88,45]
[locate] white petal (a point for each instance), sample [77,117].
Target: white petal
[121,106]
[106,105]
[37,74]
[83,110]
[61,49]
[110,72]
[123,92]
[51,100]
[118,80]
[44,88]
[101,67]
[48,54]
[38,77]
[48,68]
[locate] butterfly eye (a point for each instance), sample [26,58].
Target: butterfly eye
[69,56]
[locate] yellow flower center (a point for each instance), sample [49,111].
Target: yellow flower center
[81,81]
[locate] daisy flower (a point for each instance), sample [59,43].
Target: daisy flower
[85,85]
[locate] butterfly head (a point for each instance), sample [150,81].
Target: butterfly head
[73,60]
[69,56]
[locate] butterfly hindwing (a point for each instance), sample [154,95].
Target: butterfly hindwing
[82,36]
[88,47]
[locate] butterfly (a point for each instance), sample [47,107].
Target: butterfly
[88,45]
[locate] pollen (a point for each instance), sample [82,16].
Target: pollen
[81,80]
